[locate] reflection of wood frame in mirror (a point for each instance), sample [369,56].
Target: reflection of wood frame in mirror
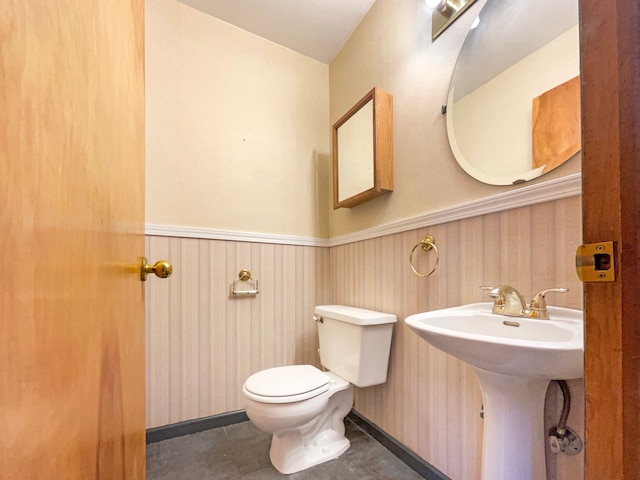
[363,151]
[556,125]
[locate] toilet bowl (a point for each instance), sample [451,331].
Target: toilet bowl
[303,407]
[306,417]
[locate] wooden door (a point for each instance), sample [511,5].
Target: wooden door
[610,58]
[71,231]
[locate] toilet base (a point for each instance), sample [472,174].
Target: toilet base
[289,459]
[317,442]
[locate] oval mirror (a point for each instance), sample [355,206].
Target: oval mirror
[513,109]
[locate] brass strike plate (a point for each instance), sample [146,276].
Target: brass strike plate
[595,262]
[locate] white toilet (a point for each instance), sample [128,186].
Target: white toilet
[303,407]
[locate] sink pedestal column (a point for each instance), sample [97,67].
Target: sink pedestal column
[513,445]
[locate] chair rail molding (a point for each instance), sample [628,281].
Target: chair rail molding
[556,189]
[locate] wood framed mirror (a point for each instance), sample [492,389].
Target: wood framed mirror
[363,151]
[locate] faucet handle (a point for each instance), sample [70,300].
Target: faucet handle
[498,300]
[538,306]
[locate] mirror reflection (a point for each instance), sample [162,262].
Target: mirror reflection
[513,106]
[355,149]
[363,151]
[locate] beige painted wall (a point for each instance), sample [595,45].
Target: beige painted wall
[392,48]
[238,134]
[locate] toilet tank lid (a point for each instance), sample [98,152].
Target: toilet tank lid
[294,380]
[357,316]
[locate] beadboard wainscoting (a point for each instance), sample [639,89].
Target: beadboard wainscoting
[431,402]
[203,343]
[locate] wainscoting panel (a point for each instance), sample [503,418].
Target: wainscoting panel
[431,401]
[203,342]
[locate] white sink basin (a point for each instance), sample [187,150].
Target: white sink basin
[551,349]
[514,359]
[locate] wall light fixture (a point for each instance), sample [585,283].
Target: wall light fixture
[445,12]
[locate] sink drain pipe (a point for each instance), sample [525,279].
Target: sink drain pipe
[561,437]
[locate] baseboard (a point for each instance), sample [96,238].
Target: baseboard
[414,461]
[174,430]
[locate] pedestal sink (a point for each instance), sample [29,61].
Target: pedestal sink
[514,358]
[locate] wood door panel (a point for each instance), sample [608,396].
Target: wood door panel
[71,230]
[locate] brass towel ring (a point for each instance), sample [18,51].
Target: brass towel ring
[427,243]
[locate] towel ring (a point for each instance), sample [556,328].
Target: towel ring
[427,243]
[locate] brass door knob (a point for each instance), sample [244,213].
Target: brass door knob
[161,268]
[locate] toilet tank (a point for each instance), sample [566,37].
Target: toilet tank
[355,343]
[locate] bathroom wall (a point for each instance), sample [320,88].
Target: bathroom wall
[392,48]
[237,128]
[431,401]
[202,343]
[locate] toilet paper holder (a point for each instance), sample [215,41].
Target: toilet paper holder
[245,276]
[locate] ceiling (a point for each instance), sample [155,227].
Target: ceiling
[316,28]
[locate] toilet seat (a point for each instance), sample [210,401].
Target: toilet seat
[288,384]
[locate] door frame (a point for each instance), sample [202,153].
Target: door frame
[610,66]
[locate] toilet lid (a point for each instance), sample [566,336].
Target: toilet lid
[287,384]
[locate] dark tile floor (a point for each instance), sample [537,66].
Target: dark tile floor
[241,451]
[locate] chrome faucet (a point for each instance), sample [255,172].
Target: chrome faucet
[508,301]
